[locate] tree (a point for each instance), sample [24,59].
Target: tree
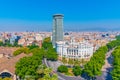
[76,62]
[77,70]
[47,39]
[47,74]
[62,69]
[21,50]
[71,61]
[32,66]
[1,43]
[48,77]
[64,60]
[113,44]
[116,64]
[93,67]
[33,46]
[7,78]
[40,70]
[54,77]
[47,43]
[118,37]
[0,78]
[51,54]
[82,62]
[29,65]
[29,77]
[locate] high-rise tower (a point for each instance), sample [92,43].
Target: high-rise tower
[57,34]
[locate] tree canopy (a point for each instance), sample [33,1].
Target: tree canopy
[30,65]
[6,78]
[77,70]
[21,50]
[62,69]
[93,67]
[116,64]
[50,52]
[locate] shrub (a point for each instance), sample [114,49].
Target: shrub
[62,69]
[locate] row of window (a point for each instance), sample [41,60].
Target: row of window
[75,50]
[78,54]
[85,56]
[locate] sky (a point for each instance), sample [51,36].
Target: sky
[79,15]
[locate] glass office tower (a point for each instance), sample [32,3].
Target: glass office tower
[57,34]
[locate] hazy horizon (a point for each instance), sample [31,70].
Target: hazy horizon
[78,15]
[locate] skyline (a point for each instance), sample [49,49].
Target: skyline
[78,15]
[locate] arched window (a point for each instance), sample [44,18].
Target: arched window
[5,74]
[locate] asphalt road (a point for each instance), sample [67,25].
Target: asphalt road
[105,74]
[107,67]
[61,76]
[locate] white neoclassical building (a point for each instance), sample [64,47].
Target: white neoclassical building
[74,50]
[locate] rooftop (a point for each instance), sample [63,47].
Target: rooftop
[55,15]
[9,64]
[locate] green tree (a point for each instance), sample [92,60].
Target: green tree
[76,62]
[77,70]
[62,69]
[33,46]
[47,39]
[0,78]
[64,60]
[1,43]
[47,74]
[51,54]
[21,50]
[32,65]
[48,77]
[29,65]
[41,68]
[116,64]
[71,61]
[93,67]
[7,78]
[29,77]
[47,43]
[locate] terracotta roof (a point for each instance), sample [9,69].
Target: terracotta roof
[7,50]
[9,64]
[3,59]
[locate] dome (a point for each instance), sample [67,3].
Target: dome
[66,33]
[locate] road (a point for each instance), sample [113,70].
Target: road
[61,76]
[107,67]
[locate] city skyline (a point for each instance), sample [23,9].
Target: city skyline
[59,40]
[79,15]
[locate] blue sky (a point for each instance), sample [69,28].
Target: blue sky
[22,15]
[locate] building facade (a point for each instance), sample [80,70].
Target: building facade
[57,33]
[74,50]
